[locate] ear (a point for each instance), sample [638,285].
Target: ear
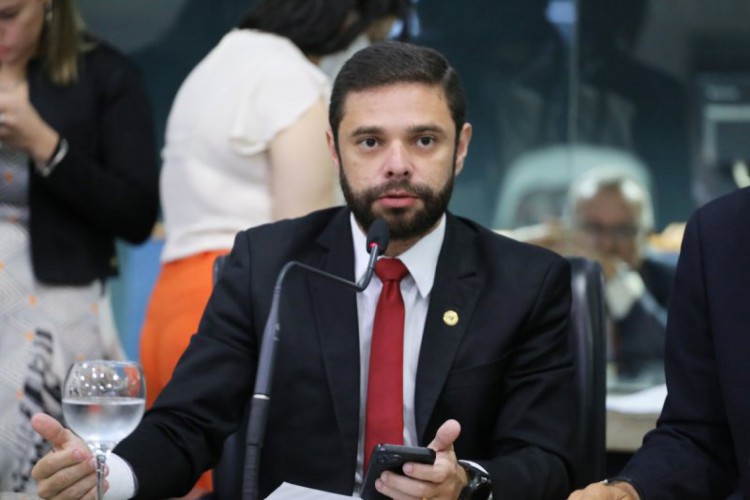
[462,148]
[332,149]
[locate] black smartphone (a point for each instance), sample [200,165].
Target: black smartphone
[391,457]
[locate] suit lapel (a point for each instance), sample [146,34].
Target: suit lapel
[335,308]
[456,290]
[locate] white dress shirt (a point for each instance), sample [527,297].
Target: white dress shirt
[421,261]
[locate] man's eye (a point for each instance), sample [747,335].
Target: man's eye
[425,141]
[369,143]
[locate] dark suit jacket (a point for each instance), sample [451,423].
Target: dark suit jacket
[702,442]
[107,185]
[640,333]
[504,371]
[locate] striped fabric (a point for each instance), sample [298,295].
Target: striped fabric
[43,329]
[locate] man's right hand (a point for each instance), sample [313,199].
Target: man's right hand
[69,470]
[601,491]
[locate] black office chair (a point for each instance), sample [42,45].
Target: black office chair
[588,346]
[227,474]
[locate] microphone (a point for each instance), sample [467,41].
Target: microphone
[378,237]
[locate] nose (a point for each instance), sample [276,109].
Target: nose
[606,243]
[397,161]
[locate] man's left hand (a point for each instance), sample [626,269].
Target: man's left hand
[444,479]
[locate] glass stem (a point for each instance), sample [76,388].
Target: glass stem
[100,459]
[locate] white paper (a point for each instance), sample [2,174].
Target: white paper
[648,401]
[288,491]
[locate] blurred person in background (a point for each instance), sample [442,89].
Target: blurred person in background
[608,218]
[77,170]
[245,145]
[611,216]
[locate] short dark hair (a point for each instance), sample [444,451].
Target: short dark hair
[320,27]
[387,63]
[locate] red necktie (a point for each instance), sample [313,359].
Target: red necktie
[384,422]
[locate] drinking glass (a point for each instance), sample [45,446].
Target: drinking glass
[102,402]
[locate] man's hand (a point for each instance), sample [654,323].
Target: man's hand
[445,479]
[601,491]
[69,471]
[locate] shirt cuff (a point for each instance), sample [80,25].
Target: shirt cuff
[122,481]
[475,465]
[622,291]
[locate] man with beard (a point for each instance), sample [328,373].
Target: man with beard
[481,371]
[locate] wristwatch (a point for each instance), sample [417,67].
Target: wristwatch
[479,486]
[623,479]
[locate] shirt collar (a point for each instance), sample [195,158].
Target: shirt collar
[421,259]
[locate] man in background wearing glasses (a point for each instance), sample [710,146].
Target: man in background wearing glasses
[611,216]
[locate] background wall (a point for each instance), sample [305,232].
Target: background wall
[166,38]
[546,86]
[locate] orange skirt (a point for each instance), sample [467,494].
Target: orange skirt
[174,311]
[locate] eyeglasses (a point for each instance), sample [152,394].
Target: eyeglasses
[619,233]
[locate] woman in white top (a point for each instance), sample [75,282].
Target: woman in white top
[245,145]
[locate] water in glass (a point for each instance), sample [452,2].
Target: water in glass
[103,401]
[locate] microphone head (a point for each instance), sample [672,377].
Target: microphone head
[378,236]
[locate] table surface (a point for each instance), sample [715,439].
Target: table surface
[631,416]
[625,431]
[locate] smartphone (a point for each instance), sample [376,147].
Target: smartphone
[391,457]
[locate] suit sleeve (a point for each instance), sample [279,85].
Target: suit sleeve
[533,433]
[690,454]
[641,332]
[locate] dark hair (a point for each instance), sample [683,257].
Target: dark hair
[319,27]
[387,63]
[377,9]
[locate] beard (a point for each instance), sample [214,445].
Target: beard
[403,223]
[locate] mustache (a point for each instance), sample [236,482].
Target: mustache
[417,190]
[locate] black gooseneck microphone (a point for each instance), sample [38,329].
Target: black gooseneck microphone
[378,237]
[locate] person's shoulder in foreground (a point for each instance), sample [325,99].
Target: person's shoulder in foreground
[701,447]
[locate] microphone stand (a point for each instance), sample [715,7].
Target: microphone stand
[261,401]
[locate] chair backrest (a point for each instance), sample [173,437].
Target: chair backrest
[588,346]
[218,265]
[227,474]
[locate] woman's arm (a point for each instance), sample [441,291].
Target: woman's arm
[302,171]
[109,176]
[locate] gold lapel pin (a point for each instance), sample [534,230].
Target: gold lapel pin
[450,317]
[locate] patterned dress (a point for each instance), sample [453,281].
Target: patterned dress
[43,329]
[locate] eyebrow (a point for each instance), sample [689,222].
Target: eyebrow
[414,130]
[367,130]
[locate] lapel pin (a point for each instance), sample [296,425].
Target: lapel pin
[450,317]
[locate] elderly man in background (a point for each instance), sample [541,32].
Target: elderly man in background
[610,215]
